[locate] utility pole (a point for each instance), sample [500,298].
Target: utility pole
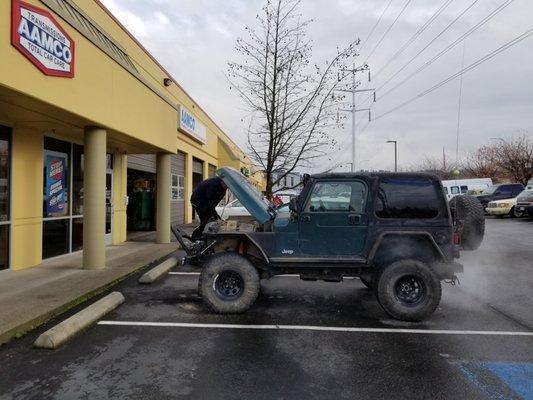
[353,110]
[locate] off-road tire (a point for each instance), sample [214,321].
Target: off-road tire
[390,294]
[468,212]
[237,266]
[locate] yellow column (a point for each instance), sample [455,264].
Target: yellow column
[94,188]
[120,171]
[163,198]
[188,188]
[27,198]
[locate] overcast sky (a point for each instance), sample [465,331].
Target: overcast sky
[194,40]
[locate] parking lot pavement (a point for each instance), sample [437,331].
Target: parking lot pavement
[301,340]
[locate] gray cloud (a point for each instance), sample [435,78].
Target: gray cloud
[194,39]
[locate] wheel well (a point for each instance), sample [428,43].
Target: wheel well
[394,247]
[240,244]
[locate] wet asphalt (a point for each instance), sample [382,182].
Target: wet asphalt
[191,362]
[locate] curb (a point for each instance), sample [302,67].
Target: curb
[27,326]
[157,272]
[62,332]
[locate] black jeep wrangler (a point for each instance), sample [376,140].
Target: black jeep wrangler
[394,231]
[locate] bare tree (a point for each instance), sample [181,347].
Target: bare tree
[481,163]
[292,101]
[434,166]
[515,157]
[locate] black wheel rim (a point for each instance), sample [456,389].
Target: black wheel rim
[410,290]
[228,285]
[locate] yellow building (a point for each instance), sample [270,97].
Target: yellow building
[95,136]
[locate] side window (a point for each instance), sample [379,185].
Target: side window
[464,189]
[455,189]
[407,198]
[445,189]
[337,197]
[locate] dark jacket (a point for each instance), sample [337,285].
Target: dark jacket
[208,194]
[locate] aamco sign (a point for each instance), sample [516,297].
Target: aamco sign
[37,35]
[191,126]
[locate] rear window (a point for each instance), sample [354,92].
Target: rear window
[407,198]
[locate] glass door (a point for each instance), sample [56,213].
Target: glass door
[5,212]
[109,200]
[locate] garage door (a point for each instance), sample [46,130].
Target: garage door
[212,169]
[142,162]
[177,205]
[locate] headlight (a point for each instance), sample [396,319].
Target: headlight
[505,205]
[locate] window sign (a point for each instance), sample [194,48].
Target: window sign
[56,184]
[40,38]
[190,125]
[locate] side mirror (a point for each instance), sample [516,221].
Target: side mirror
[293,205]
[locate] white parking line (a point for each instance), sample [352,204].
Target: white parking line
[275,276]
[315,328]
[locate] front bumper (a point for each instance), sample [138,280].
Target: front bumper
[498,211]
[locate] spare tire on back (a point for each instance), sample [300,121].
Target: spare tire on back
[469,218]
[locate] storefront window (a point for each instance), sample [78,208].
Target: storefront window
[77,234]
[5,162]
[55,237]
[77,180]
[56,178]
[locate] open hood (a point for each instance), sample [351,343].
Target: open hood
[248,195]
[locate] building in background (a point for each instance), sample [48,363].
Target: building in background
[96,137]
[288,182]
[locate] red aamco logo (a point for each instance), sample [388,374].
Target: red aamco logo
[56,169]
[37,35]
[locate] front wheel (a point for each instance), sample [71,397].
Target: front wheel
[408,290]
[514,213]
[229,283]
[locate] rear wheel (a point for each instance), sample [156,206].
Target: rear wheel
[229,283]
[408,290]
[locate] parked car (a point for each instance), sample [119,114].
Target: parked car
[524,202]
[234,210]
[392,230]
[454,187]
[500,192]
[529,185]
[501,208]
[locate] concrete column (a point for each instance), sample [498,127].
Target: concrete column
[188,188]
[94,198]
[163,198]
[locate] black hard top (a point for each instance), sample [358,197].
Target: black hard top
[370,175]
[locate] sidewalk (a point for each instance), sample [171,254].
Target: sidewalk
[32,296]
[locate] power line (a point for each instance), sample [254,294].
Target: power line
[430,43]
[415,36]
[492,14]
[375,25]
[388,30]
[475,64]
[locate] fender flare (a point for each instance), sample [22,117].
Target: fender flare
[382,236]
[248,237]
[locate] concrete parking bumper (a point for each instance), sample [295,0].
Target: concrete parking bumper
[59,334]
[159,271]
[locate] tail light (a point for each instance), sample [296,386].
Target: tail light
[456,238]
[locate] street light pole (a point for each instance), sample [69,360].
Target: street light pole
[395,154]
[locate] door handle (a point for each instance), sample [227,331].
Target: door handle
[354,219]
[306,218]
